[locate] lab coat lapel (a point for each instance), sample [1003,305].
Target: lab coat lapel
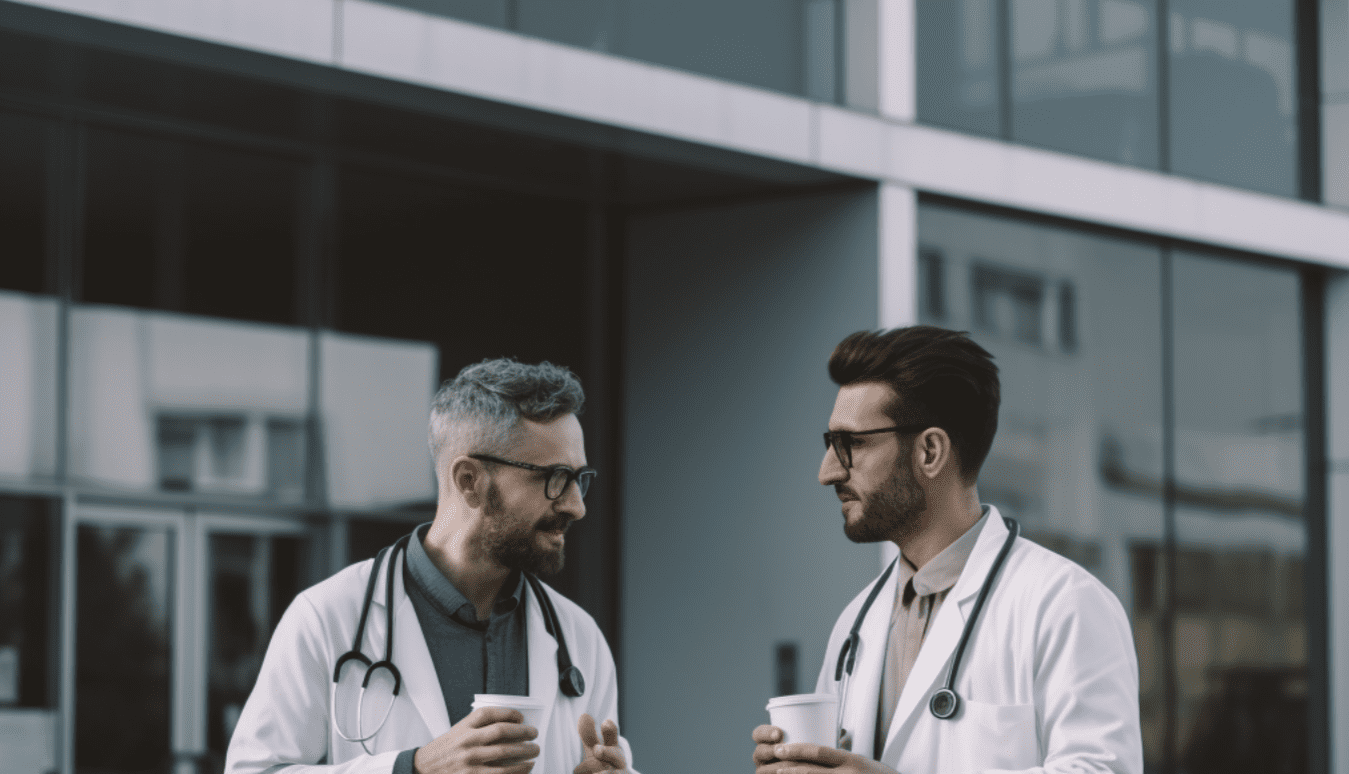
[411,655]
[542,659]
[859,716]
[940,644]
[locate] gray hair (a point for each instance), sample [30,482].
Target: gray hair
[479,411]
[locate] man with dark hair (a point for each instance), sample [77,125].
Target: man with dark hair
[976,650]
[470,614]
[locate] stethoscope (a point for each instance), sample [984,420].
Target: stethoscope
[945,702]
[570,680]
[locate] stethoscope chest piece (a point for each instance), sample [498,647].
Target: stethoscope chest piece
[572,682]
[944,704]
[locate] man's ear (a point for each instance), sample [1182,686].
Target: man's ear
[468,477]
[932,452]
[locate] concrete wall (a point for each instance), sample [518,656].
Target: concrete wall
[730,545]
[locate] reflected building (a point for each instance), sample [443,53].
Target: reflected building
[242,243]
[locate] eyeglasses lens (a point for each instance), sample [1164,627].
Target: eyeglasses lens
[557,482]
[842,443]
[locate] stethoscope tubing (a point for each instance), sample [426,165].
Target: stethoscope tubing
[570,679]
[945,702]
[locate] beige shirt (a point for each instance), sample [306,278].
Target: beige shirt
[918,596]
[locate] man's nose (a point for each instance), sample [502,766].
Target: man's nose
[570,501]
[831,470]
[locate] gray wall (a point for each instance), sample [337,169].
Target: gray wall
[730,545]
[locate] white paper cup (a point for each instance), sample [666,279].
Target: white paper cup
[532,709]
[805,717]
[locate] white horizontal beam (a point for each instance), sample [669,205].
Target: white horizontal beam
[410,46]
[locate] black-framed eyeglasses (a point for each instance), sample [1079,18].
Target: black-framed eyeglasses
[841,441]
[558,476]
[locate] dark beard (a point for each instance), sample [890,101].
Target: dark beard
[516,549]
[891,513]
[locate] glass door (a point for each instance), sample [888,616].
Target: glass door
[254,567]
[127,613]
[173,613]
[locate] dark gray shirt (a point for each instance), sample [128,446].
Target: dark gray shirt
[470,656]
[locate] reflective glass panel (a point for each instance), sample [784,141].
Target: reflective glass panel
[758,42]
[1234,93]
[1084,77]
[23,202]
[28,363]
[958,65]
[124,623]
[252,579]
[1335,101]
[171,402]
[375,403]
[29,601]
[1241,632]
[1073,321]
[190,227]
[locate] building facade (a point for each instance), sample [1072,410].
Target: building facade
[241,243]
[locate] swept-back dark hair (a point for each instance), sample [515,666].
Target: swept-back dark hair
[940,377]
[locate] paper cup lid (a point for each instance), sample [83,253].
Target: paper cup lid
[498,699]
[802,698]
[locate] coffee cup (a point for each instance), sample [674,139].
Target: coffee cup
[531,708]
[805,717]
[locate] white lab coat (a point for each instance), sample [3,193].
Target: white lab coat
[1048,682]
[286,718]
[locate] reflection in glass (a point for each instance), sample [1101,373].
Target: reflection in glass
[1234,93]
[189,404]
[1083,77]
[1240,622]
[958,65]
[189,227]
[29,560]
[124,606]
[28,347]
[758,42]
[1077,458]
[252,579]
[1335,101]
[23,198]
[375,398]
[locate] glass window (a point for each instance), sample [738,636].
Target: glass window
[1078,454]
[375,398]
[365,537]
[28,355]
[758,42]
[1233,90]
[124,621]
[169,402]
[188,227]
[29,600]
[958,69]
[1335,101]
[1084,77]
[252,578]
[23,202]
[1240,621]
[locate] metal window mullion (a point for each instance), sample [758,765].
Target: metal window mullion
[65,752]
[1170,691]
[184,660]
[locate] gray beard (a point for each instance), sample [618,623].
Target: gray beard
[894,512]
[515,548]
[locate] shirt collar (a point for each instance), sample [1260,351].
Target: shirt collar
[444,594]
[943,570]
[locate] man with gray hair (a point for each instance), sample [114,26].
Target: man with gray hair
[472,617]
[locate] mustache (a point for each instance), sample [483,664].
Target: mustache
[554,523]
[844,493]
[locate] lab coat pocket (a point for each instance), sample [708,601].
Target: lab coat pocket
[996,736]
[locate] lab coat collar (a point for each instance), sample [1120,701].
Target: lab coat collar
[942,638]
[413,658]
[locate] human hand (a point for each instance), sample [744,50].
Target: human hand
[770,757]
[599,757]
[490,740]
